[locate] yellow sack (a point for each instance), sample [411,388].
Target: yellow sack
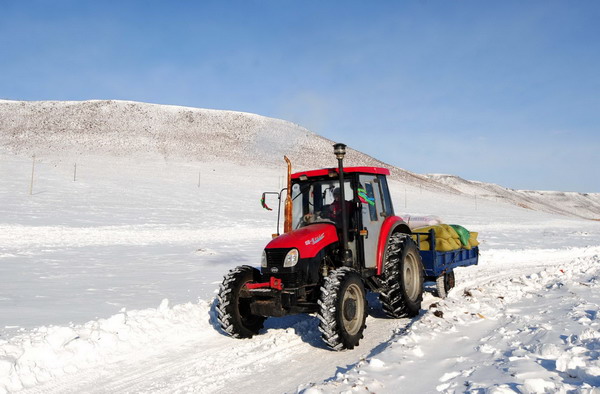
[473,239]
[423,240]
[443,245]
[421,236]
[440,232]
[424,245]
[450,231]
[446,238]
[473,242]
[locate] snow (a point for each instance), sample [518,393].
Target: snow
[528,333]
[107,285]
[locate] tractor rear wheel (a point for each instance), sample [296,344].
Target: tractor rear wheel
[342,309]
[402,277]
[233,310]
[444,283]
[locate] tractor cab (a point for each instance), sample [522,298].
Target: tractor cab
[316,199]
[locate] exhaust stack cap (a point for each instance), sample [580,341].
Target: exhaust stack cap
[340,151]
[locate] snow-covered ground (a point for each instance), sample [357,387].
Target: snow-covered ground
[107,284]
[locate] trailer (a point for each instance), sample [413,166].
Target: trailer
[439,266]
[340,239]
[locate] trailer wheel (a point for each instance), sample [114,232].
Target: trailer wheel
[402,291]
[233,309]
[444,283]
[342,309]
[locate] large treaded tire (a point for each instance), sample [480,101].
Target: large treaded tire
[444,283]
[402,291]
[342,309]
[233,311]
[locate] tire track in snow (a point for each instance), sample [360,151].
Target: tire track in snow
[216,363]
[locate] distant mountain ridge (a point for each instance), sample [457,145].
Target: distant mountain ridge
[126,128]
[585,205]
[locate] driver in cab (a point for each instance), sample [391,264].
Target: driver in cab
[334,210]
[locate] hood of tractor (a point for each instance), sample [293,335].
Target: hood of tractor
[308,240]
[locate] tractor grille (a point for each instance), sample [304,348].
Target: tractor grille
[275,256]
[288,279]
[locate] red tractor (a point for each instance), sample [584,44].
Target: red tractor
[340,238]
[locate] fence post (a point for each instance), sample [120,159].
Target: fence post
[32,173]
[75,173]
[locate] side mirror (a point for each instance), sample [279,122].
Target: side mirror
[263,203]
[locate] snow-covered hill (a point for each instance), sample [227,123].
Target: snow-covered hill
[121,128]
[124,128]
[585,205]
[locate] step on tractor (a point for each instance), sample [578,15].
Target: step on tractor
[340,238]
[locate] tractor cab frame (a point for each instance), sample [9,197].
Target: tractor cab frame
[369,211]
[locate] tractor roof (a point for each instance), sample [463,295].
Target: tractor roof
[327,171]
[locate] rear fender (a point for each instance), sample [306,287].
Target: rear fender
[391,225]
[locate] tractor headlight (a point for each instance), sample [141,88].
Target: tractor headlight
[263,260]
[291,258]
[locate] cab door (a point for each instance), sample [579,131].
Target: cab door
[372,215]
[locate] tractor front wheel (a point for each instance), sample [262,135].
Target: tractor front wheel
[342,309]
[233,310]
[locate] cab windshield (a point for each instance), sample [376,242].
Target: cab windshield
[319,201]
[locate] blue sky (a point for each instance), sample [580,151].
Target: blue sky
[497,91]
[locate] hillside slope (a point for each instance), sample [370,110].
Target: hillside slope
[129,128]
[585,205]
[123,128]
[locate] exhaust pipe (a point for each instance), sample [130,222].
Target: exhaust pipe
[287,216]
[346,254]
